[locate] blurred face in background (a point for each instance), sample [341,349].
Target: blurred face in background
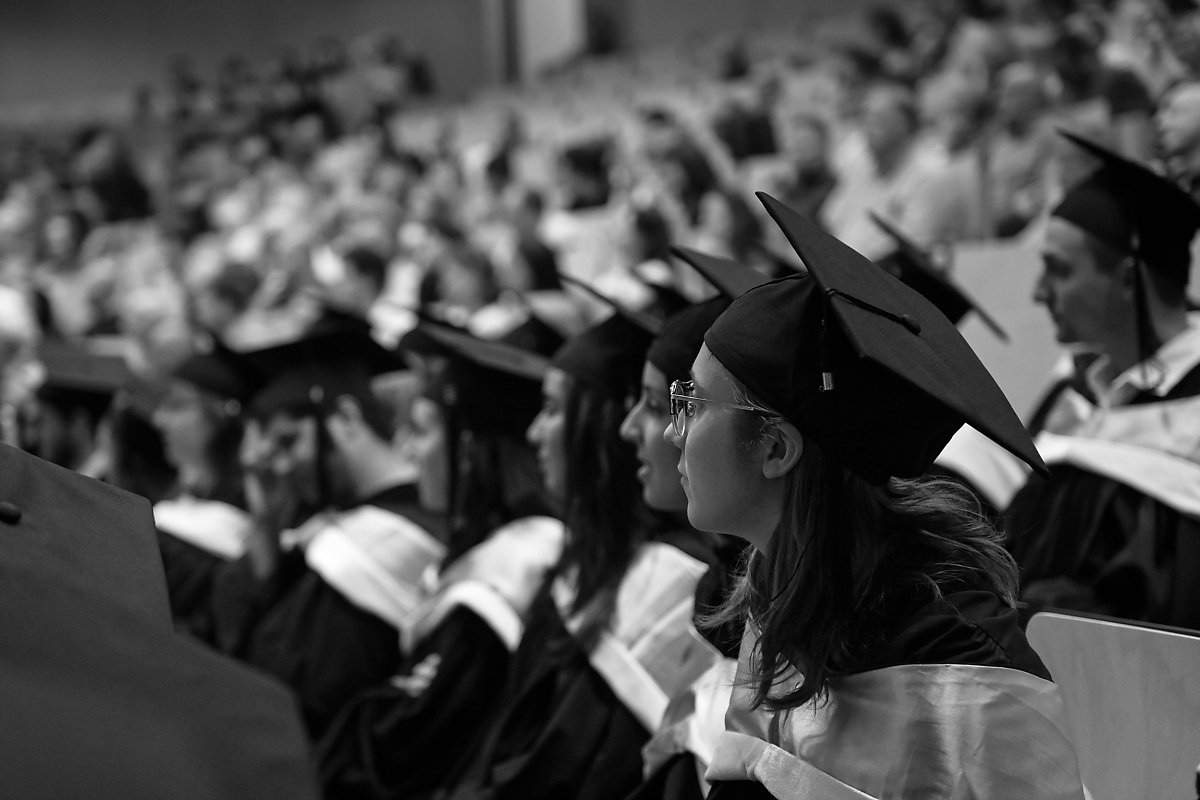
[888,120]
[185,419]
[426,447]
[548,432]
[62,236]
[1178,121]
[806,143]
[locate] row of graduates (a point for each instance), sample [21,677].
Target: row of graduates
[588,637]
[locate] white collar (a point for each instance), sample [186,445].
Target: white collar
[1159,374]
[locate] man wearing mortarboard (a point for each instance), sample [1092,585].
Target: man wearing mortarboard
[1115,528]
[335,562]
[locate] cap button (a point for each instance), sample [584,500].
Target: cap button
[9,514]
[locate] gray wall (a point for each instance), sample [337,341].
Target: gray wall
[95,51]
[56,50]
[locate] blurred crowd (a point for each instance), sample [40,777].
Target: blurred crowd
[210,207]
[333,190]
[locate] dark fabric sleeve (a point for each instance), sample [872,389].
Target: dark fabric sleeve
[1087,543]
[678,779]
[563,733]
[240,599]
[324,647]
[407,737]
[190,572]
[739,790]
[965,627]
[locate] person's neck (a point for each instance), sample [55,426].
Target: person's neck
[1126,353]
[197,481]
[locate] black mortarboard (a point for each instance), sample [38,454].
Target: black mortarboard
[101,698]
[495,385]
[730,278]
[915,266]
[1133,210]
[63,528]
[676,346]
[495,355]
[647,322]
[607,356]
[220,371]
[336,356]
[81,370]
[861,363]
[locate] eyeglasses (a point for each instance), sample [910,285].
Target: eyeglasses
[683,404]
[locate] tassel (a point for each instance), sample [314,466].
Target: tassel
[827,382]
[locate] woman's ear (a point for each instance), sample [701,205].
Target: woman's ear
[784,447]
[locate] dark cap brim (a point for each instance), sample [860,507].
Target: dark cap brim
[641,319]
[914,341]
[728,276]
[930,276]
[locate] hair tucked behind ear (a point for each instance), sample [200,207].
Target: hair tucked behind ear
[845,555]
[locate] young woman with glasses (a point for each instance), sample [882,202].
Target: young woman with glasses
[882,656]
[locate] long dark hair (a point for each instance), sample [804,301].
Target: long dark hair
[223,458]
[845,555]
[603,511]
[495,481]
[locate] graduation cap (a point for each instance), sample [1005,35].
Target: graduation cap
[608,356]
[676,346]
[494,385]
[647,322]
[101,698]
[861,363]
[915,266]
[495,355]
[82,369]
[731,278]
[220,371]
[1134,211]
[336,356]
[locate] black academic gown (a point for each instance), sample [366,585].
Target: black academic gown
[564,733]
[298,628]
[971,627]
[190,572]
[1088,542]
[192,559]
[411,735]
[406,737]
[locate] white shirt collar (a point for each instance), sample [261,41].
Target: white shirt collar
[1159,374]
